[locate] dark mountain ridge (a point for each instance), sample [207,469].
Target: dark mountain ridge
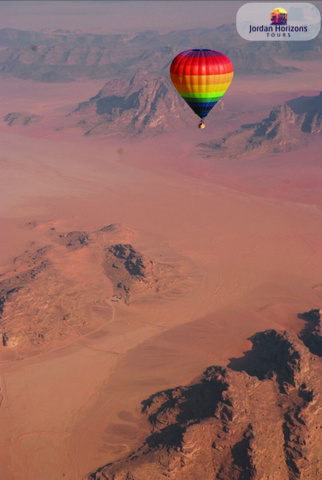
[258,418]
[286,128]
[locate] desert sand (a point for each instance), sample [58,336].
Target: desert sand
[244,235]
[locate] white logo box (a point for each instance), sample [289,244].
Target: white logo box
[253,22]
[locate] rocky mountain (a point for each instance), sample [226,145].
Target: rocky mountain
[47,295]
[259,418]
[286,127]
[134,274]
[143,103]
[67,56]
[21,118]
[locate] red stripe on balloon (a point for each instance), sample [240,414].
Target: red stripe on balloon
[193,63]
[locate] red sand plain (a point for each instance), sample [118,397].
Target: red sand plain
[246,233]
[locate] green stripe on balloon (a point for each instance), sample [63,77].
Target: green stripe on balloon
[202,95]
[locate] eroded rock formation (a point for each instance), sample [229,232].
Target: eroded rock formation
[146,103]
[134,274]
[69,286]
[260,418]
[286,127]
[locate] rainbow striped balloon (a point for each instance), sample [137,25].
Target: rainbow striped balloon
[201,77]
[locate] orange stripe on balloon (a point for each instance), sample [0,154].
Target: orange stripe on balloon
[202,79]
[205,88]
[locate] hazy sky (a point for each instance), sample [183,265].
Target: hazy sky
[116,16]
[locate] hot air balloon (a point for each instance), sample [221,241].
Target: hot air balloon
[201,77]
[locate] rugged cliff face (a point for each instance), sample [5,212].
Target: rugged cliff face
[259,418]
[311,334]
[145,103]
[285,128]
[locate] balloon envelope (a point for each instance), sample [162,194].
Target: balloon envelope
[201,77]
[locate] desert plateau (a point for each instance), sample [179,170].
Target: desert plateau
[160,285]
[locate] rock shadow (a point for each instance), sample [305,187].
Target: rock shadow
[272,356]
[311,333]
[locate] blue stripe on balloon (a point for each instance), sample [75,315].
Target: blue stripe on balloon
[202,108]
[202,104]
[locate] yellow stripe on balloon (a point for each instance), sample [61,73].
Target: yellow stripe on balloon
[202,79]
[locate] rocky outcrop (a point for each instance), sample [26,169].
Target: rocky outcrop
[69,286]
[134,274]
[259,418]
[145,103]
[312,332]
[284,129]
[308,113]
[134,263]
[33,265]
[21,118]
[279,359]
[25,271]
[74,240]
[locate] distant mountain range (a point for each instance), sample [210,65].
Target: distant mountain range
[284,129]
[65,56]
